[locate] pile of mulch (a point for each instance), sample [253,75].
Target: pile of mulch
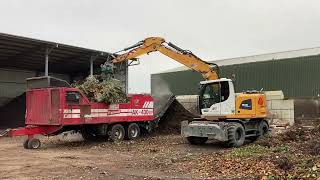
[294,154]
[109,91]
[170,122]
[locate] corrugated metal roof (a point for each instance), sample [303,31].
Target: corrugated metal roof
[259,58]
[29,54]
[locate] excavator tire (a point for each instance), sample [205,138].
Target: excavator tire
[236,135]
[263,130]
[197,140]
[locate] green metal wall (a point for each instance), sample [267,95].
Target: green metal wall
[297,77]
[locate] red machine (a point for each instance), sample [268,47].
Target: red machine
[52,110]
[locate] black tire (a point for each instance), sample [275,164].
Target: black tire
[236,135]
[132,131]
[197,140]
[263,130]
[116,133]
[34,143]
[25,143]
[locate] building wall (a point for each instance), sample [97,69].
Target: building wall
[296,77]
[13,83]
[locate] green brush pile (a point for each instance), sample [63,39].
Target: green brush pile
[109,91]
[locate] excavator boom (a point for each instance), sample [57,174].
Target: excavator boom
[209,71]
[225,116]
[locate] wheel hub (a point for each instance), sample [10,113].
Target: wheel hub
[133,132]
[118,134]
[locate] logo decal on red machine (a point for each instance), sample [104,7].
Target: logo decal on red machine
[148,104]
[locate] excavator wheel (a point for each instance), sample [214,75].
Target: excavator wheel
[197,140]
[236,135]
[263,130]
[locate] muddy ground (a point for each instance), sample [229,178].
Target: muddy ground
[294,154]
[69,157]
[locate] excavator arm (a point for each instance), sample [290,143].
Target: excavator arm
[209,71]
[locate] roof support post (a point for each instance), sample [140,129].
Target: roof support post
[91,65]
[92,58]
[46,71]
[46,68]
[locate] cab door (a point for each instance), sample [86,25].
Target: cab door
[216,99]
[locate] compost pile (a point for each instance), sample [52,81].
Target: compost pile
[170,122]
[109,91]
[294,154]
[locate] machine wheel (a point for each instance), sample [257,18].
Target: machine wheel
[116,132]
[236,135]
[25,143]
[34,143]
[263,130]
[132,131]
[197,140]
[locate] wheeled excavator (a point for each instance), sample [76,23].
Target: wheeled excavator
[225,115]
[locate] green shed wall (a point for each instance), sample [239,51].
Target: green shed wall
[297,77]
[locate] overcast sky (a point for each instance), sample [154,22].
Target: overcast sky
[212,29]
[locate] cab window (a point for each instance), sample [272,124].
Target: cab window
[214,93]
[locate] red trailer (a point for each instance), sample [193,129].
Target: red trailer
[52,110]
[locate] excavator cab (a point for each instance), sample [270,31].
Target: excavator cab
[217,97]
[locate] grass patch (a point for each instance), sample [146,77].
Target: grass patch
[282,148]
[252,150]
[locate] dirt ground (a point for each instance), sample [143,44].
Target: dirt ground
[69,157]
